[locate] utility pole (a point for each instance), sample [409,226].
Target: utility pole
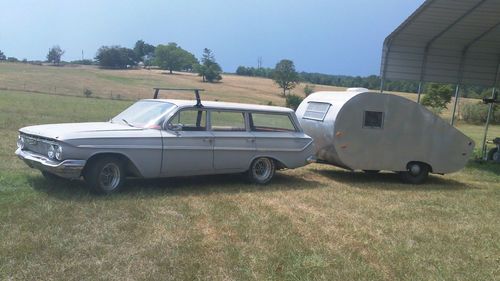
[82,55]
[259,62]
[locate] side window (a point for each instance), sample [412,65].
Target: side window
[373,119]
[265,122]
[227,121]
[316,111]
[189,120]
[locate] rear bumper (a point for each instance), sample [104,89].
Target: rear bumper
[69,169]
[311,159]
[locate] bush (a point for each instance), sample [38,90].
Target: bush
[308,89]
[477,113]
[87,92]
[293,101]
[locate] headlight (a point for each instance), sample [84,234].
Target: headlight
[52,152]
[59,153]
[20,142]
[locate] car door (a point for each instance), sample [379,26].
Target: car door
[187,144]
[234,145]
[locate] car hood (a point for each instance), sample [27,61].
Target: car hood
[63,131]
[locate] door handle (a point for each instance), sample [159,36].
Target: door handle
[251,140]
[207,140]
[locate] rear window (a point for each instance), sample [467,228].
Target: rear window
[316,111]
[265,122]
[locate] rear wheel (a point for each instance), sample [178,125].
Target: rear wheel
[105,175]
[416,173]
[261,170]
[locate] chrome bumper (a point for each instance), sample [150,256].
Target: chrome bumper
[70,169]
[311,159]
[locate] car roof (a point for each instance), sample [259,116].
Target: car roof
[227,105]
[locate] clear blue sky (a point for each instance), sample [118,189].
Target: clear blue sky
[328,36]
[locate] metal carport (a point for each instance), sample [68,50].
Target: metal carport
[446,41]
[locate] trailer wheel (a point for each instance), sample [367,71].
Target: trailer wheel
[416,173]
[494,155]
[371,172]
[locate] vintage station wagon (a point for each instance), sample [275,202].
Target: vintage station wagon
[169,138]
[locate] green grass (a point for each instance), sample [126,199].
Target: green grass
[312,223]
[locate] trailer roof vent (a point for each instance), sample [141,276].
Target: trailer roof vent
[316,111]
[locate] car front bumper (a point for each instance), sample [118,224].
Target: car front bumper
[69,169]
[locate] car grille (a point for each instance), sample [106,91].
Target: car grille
[37,144]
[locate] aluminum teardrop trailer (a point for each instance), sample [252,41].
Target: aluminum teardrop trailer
[362,130]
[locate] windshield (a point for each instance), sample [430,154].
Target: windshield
[144,114]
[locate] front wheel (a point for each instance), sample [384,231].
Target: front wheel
[105,175]
[416,173]
[261,170]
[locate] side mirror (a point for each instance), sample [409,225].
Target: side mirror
[175,127]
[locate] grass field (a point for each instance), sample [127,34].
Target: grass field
[313,223]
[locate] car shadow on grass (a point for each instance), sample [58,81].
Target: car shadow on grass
[182,186]
[391,181]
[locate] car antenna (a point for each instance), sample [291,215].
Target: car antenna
[195,90]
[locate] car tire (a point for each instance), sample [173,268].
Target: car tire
[416,173]
[261,170]
[105,175]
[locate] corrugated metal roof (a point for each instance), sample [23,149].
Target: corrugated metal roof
[447,41]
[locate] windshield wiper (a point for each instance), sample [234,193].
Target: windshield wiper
[126,122]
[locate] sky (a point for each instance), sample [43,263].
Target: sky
[325,36]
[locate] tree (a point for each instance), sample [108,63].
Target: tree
[2,56]
[55,54]
[285,75]
[144,51]
[173,57]
[437,96]
[209,70]
[116,57]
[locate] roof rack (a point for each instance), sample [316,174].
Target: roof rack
[196,93]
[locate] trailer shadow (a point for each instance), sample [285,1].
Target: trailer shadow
[186,186]
[391,181]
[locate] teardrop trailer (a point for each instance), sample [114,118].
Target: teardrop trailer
[362,130]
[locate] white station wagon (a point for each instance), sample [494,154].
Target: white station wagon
[169,138]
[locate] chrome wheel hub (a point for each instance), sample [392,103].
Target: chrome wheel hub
[262,169]
[109,177]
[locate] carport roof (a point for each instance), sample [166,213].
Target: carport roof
[447,41]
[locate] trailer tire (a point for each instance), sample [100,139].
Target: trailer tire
[494,155]
[416,173]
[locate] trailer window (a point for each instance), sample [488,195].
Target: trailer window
[373,119]
[316,111]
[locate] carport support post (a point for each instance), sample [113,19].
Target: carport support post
[490,112]
[457,91]
[419,92]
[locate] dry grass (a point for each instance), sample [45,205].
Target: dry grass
[313,223]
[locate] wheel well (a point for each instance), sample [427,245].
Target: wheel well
[130,168]
[278,163]
[422,163]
